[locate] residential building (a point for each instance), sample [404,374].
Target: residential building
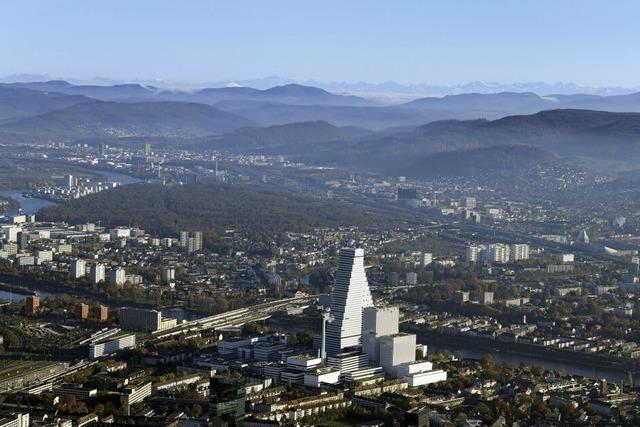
[168,274]
[119,233]
[78,269]
[486,298]
[519,251]
[14,419]
[102,313]
[117,276]
[426,258]
[82,311]
[32,304]
[97,273]
[136,393]
[411,278]
[469,203]
[498,253]
[473,253]
[461,296]
[79,391]
[192,242]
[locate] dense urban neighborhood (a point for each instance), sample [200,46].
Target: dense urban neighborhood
[412,306]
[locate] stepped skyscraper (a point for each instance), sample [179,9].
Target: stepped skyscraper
[350,296]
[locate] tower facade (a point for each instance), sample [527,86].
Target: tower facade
[378,322]
[350,296]
[226,402]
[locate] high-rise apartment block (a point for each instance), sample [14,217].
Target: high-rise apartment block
[168,274]
[78,269]
[192,242]
[411,278]
[473,253]
[117,276]
[469,203]
[426,258]
[102,313]
[32,304]
[498,253]
[96,273]
[82,311]
[519,251]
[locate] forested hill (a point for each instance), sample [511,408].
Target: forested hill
[478,161]
[259,213]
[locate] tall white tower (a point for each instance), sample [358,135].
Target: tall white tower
[350,296]
[327,317]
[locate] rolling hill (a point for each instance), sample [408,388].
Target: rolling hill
[374,118]
[478,161]
[121,92]
[496,105]
[563,132]
[18,102]
[99,118]
[291,137]
[486,105]
[291,94]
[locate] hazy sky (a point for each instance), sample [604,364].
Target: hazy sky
[440,42]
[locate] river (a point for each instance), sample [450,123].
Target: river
[31,205]
[613,375]
[18,297]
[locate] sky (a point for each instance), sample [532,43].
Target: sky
[436,42]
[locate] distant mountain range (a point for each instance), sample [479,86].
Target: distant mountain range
[296,103]
[387,87]
[293,94]
[416,137]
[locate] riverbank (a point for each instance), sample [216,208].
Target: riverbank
[16,289]
[591,365]
[51,287]
[28,205]
[33,203]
